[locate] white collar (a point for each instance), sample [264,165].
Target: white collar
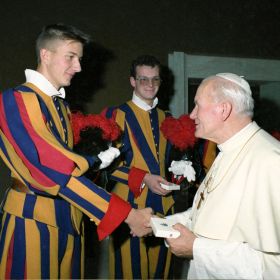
[142,104]
[238,138]
[43,84]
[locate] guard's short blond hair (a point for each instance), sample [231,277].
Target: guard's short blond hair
[59,31]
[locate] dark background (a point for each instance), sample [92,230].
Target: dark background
[121,30]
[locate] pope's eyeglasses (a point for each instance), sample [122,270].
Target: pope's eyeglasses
[145,81]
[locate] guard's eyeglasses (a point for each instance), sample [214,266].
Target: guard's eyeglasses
[145,81]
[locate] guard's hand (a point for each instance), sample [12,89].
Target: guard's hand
[108,156]
[139,221]
[153,183]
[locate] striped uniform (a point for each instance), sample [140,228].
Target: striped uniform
[42,229]
[209,153]
[145,150]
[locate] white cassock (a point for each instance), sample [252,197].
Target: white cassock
[238,219]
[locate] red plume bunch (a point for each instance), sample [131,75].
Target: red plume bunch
[179,132]
[110,129]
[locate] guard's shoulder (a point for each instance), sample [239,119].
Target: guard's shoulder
[167,113]
[24,89]
[109,112]
[17,90]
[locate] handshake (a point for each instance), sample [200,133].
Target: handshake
[143,222]
[107,157]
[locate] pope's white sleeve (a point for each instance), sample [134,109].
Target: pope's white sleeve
[218,259]
[182,218]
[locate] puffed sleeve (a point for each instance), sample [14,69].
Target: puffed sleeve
[36,149]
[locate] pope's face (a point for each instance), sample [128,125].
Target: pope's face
[61,62]
[147,82]
[206,113]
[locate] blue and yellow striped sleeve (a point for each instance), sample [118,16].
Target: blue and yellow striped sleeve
[35,143]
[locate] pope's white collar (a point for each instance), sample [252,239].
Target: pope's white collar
[234,140]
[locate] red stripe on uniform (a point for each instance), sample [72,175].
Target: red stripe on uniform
[46,152]
[9,259]
[36,173]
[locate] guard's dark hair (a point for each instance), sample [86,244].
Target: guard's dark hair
[147,60]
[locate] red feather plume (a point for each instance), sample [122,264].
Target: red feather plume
[110,129]
[179,132]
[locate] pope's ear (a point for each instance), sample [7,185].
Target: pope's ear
[226,109]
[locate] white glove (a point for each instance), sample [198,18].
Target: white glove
[108,156]
[183,168]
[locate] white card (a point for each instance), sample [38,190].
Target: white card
[171,187]
[163,228]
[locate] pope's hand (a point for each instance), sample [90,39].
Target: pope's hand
[108,156]
[183,245]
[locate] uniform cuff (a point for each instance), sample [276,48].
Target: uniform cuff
[135,179]
[117,212]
